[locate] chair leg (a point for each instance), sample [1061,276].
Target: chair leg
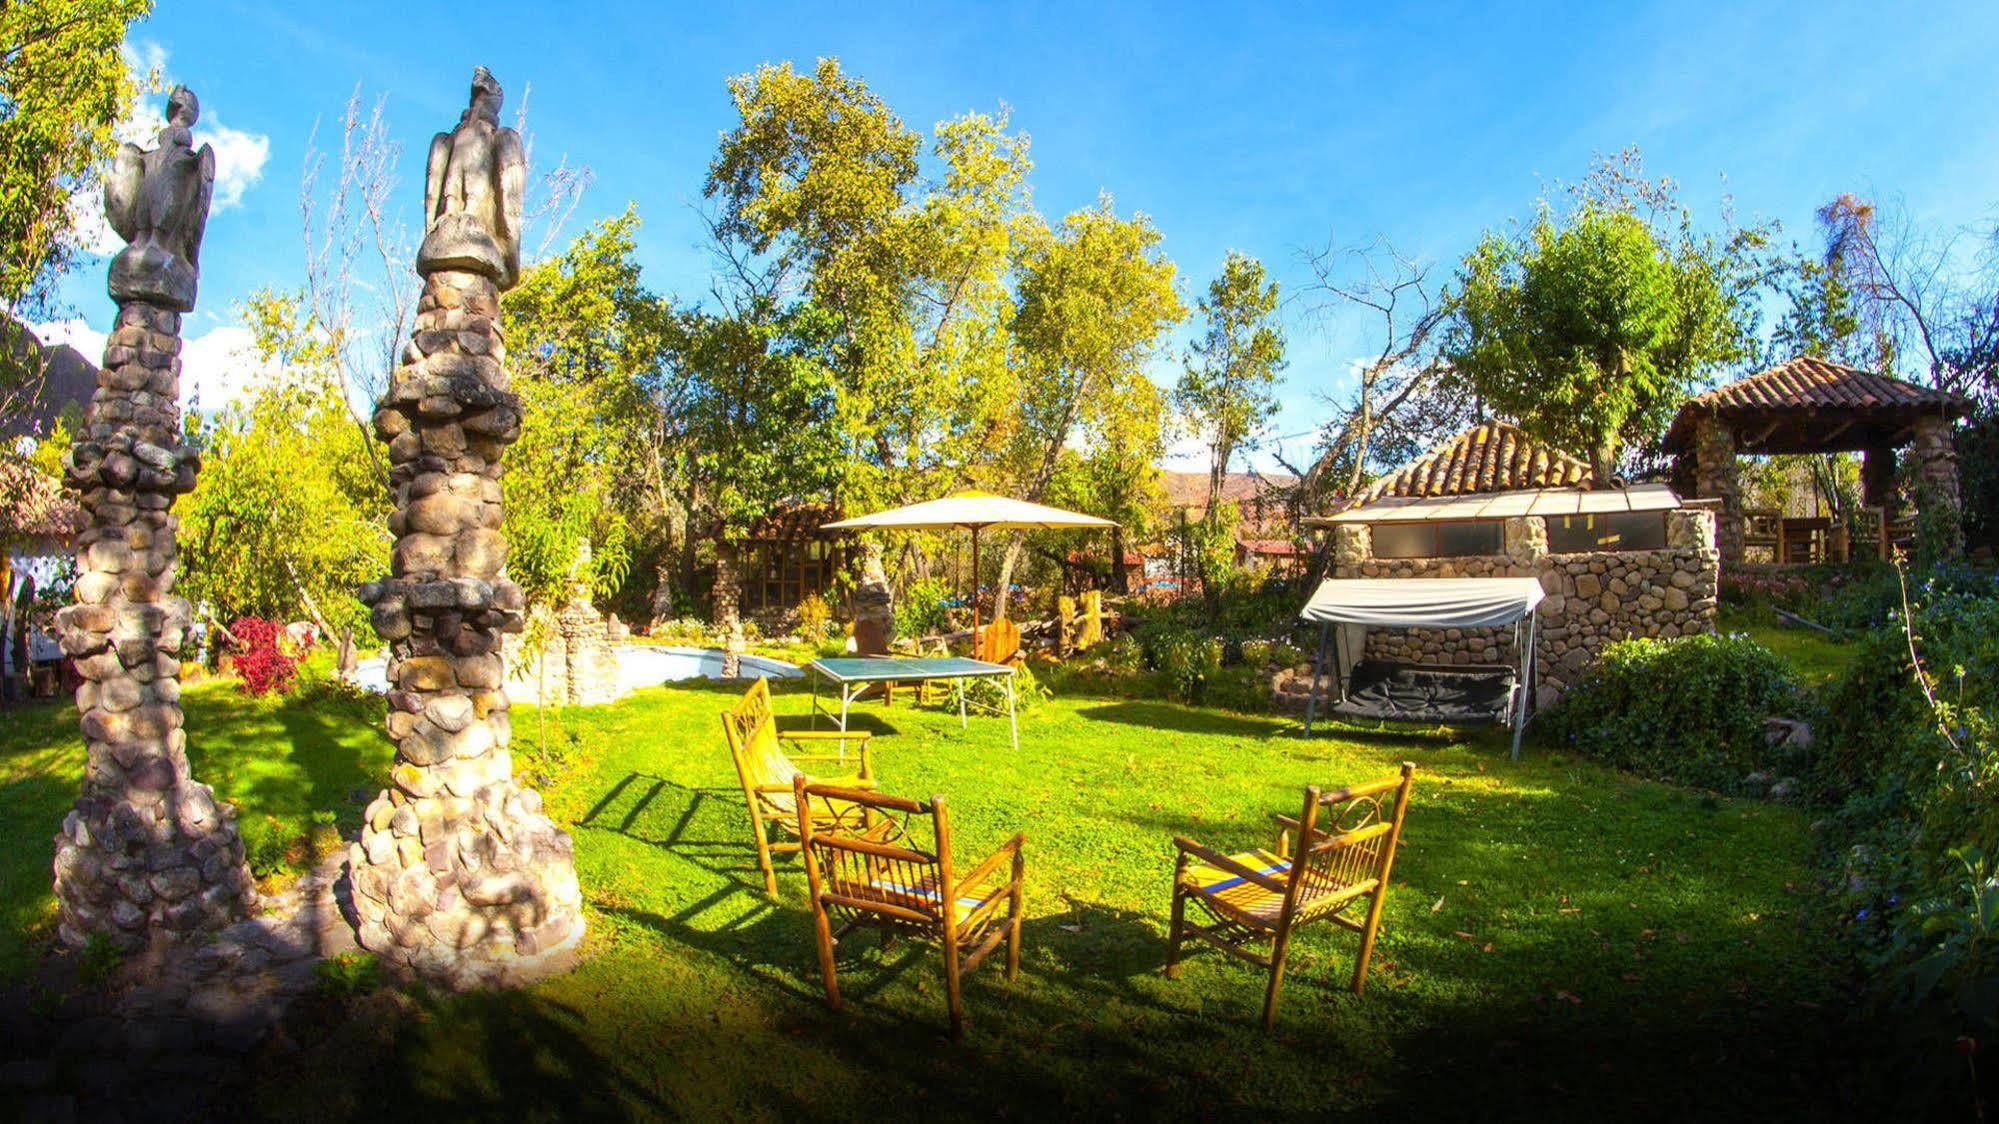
[763,856]
[1013,931]
[823,930]
[1278,951]
[1367,936]
[1175,933]
[951,994]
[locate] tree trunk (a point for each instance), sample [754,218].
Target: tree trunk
[1120,582]
[1604,461]
[1014,543]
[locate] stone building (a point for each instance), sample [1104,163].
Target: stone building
[1491,502]
[1813,405]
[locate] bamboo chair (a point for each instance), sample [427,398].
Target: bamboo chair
[868,878]
[1261,897]
[998,642]
[767,771]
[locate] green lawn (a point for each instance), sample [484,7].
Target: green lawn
[1817,657]
[1559,936]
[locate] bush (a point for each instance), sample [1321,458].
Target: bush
[1921,815]
[1689,710]
[814,615]
[347,975]
[920,609]
[1185,660]
[263,661]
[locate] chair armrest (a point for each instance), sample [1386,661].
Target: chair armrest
[981,871]
[824,735]
[1288,826]
[1222,862]
[863,783]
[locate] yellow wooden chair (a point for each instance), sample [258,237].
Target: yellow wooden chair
[878,877]
[767,771]
[1259,898]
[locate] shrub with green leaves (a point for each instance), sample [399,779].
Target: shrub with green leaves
[1689,710]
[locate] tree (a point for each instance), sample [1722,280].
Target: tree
[287,516]
[63,85]
[1227,390]
[1116,475]
[1402,400]
[1094,301]
[1923,301]
[1594,325]
[823,180]
[585,338]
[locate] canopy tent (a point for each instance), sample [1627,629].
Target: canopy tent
[975,512]
[1382,690]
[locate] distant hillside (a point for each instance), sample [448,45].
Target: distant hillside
[66,378]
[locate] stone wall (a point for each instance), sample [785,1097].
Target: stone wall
[1593,599]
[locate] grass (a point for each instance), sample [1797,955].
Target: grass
[1817,657]
[1561,938]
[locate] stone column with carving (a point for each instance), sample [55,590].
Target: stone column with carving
[1716,477]
[459,876]
[147,854]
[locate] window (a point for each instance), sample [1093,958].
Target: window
[1437,540]
[1612,531]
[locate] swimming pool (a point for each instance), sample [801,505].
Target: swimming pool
[639,665]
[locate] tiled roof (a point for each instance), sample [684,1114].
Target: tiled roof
[34,506]
[792,521]
[1269,546]
[1490,457]
[1807,384]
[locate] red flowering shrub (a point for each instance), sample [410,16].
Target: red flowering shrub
[263,660]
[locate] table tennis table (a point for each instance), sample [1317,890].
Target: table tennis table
[855,674]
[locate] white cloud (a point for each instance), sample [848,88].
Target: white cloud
[217,367]
[240,156]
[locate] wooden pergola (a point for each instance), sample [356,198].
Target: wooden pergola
[1813,405]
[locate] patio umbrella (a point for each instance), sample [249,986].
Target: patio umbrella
[975,512]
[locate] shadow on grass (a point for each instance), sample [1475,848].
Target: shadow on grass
[1166,716]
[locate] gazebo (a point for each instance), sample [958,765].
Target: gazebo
[1813,405]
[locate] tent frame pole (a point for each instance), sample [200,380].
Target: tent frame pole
[1526,684]
[1318,663]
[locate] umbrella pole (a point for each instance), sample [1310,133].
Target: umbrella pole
[975,591]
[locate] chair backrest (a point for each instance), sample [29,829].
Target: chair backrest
[998,642]
[753,739]
[881,871]
[1348,836]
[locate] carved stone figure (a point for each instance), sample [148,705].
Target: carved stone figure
[148,856]
[458,876]
[158,202]
[473,191]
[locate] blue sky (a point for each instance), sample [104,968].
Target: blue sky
[1252,127]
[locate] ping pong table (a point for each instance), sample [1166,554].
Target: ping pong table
[855,674]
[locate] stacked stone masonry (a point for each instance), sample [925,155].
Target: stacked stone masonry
[458,873]
[1592,600]
[147,853]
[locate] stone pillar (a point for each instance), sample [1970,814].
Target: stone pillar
[1526,539]
[1715,477]
[726,603]
[874,605]
[146,854]
[1353,544]
[1877,478]
[1933,464]
[458,876]
[589,665]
